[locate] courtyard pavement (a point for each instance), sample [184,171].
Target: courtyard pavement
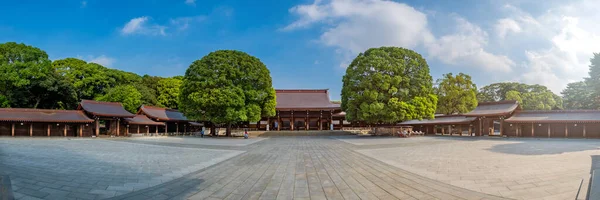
[341,167]
[512,168]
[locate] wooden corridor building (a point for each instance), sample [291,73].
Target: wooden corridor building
[43,122]
[505,118]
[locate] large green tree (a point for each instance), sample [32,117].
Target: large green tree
[128,95]
[456,94]
[168,92]
[90,80]
[578,96]
[593,81]
[532,97]
[226,87]
[28,80]
[387,85]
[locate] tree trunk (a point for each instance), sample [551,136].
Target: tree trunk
[228,130]
[213,130]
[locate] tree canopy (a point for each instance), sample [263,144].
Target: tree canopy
[168,89]
[128,95]
[456,94]
[531,97]
[227,86]
[387,85]
[27,79]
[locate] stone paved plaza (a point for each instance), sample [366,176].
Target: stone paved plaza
[340,167]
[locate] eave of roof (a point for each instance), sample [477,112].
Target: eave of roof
[43,115]
[558,116]
[157,113]
[143,120]
[498,108]
[449,119]
[104,109]
[304,99]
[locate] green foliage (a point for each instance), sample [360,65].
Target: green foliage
[168,92]
[4,103]
[27,79]
[227,86]
[532,97]
[148,94]
[90,80]
[593,82]
[387,85]
[578,95]
[514,95]
[456,94]
[128,95]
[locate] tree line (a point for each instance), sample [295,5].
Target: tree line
[225,87]
[28,79]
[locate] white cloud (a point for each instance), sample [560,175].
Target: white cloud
[353,26]
[140,25]
[357,25]
[506,25]
[572,38]
[466,47]
[182,23]
[190,2]
[102,60]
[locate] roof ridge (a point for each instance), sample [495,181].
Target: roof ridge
[156,107]
[558,111]
[497,102]
[100,102]
[37,110]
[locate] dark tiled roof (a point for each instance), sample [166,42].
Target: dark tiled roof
[104,109]
[580,116]
[494,108]
[142,120]
[162,114]
[449,119]
[304,99]
[43,115]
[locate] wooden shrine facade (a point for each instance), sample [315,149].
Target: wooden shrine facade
[302,109]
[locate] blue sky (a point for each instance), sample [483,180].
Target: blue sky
[308,43]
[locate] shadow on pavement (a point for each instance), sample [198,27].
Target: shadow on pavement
[544,147]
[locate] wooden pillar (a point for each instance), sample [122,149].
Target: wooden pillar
[118,125]
[166,126]
[65,131]
[450,129]
[278,121]
[532,130]
[97,127]
[341,124]
[12,129]
[470,127]
[501,126]
[584,130]
[566,130]
[81,130]
[30,129]
[548,130]
[147,130]
[49,130]
[176,128]
[292,122]
[258,124]
[138,129]
[127,130]
[156,130]
[518,129]
[480,127]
